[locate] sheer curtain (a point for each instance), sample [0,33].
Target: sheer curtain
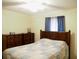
[54,24]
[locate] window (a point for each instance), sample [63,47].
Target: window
[55,24]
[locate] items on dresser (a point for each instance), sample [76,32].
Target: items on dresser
[9,40]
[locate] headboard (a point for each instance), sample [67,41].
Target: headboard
[64,36]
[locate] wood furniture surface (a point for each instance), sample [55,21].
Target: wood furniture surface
[28,38]
[9,41]
[63,36]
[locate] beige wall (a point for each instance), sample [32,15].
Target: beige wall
[15,21]
[70,24]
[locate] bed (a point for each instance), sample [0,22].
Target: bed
[59,36]
[45,48]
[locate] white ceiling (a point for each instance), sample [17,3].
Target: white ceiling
[17,5]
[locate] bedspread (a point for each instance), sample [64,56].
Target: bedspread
[42,49]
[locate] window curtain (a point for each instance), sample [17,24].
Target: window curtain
[54,24]
[47,23]
[61,23]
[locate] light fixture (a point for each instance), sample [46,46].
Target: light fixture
[34,5]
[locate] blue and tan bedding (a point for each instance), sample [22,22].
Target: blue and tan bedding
[42,49]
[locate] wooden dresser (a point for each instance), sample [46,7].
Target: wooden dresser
[9,41]
[28,38]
